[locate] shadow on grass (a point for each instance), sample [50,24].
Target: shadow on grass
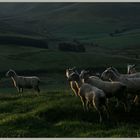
[55,115]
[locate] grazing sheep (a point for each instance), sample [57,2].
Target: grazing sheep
[130,70]
[133,75]
[90,95]
[111,89]
[72,83]
[133,84]
[21,82]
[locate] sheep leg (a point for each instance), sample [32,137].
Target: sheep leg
[21,89]
[127,106]
[18,89]
[75,93]
[96,106]
[107,100]
[117,103]
[126,103]
[84,103]
[106,110]
[87,105]
[37,89]
[136,100]
[100,114]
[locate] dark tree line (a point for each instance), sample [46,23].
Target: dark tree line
[40,43]
[72,47]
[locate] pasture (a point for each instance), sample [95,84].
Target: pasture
[56,112]
[29,38]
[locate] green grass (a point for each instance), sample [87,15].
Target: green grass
[29,58]
[58,114]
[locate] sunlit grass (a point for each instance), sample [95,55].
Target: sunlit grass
[59,114]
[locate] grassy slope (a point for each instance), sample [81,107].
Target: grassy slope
[56,113]
[84,21]
[29,58]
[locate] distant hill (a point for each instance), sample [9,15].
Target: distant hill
[83,21]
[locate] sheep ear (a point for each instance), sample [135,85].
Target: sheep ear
[134,65]
[77,72]
[67,73]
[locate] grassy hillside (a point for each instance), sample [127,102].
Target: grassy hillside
[29,58]
[66,21]
[56,112]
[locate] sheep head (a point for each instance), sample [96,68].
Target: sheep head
[84,74]
[73,77]
[108,75]
[10,73]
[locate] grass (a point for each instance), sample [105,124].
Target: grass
[57,112]
[35,59]
[50,115]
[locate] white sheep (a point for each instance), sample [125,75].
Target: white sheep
[72,83]
[132,75]
[111,89]
[90,95]
[130,70]
[21,82]
[132,84]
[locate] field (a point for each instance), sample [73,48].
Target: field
[58,114]
[56,111]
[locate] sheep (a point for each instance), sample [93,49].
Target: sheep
[21,82]
[132,75]
[72,83]
[132,84]
[111,89]
[130,70]
[122,77]
[90,95]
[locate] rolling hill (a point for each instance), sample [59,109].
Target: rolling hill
[67,21]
